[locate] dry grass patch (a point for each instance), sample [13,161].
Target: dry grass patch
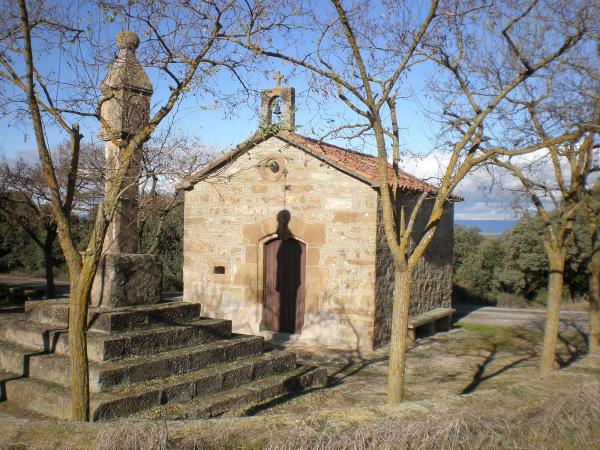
[133,435]
[565,421]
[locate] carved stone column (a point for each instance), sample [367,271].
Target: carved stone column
[125,110]
[125,277]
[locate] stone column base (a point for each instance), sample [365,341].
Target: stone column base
[125,279]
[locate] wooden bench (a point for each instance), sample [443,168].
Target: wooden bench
[438,319]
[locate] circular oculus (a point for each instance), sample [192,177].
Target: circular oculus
[272,168]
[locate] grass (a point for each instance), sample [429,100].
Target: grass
[502,333]
[134,435]
[513,336]
[487,337]
[483,329]
[564,421]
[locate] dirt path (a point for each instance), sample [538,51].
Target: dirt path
[25,282]
[514,317]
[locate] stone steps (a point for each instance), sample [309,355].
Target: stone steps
[6,376]
[16,329]
[105,347]
[53,400]
[140,357]
[56,312]
[240,398]
[9,308]
[16,358]
[55,368]
[10,410]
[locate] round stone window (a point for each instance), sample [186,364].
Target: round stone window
[273,165]
[272,168]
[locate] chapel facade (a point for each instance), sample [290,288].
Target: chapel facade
[283,235]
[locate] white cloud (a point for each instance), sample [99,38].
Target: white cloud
[486,196]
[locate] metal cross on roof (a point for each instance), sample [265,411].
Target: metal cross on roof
[277,76]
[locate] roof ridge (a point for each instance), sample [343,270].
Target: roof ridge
[357,164]
[355,152]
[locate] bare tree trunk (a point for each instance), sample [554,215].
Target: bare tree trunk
[78,351]
[49,269]
[551,328]
[594,274]
[594,304]
[399,337]
[49,262]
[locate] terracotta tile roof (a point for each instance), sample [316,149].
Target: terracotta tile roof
[358,164]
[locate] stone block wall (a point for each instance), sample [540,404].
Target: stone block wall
[432,278]
[384,284]
[229,216]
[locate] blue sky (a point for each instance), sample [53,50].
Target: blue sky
[199,114]
[223,129]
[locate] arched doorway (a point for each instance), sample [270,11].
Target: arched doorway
[284,280]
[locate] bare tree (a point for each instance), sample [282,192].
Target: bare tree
[365,53]
[556,179]
[23,204]
[557,204]
[185,44]
[169,157]
[592,209]
[25,201]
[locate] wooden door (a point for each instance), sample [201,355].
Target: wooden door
[284,279]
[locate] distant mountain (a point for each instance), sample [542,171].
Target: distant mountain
[488,227]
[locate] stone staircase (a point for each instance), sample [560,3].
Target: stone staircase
[154,361]
[12,298]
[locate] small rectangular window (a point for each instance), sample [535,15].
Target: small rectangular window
[219,270]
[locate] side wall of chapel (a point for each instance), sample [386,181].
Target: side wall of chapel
[432,278]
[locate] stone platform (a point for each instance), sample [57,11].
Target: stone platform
[161,360]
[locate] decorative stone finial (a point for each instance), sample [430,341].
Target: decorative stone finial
[126,71]
[126,91]
[127,40]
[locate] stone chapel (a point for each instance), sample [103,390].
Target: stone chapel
[283,236]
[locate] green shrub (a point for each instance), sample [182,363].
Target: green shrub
[512,269]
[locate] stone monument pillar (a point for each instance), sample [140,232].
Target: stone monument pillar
[125,277]
[125,110]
